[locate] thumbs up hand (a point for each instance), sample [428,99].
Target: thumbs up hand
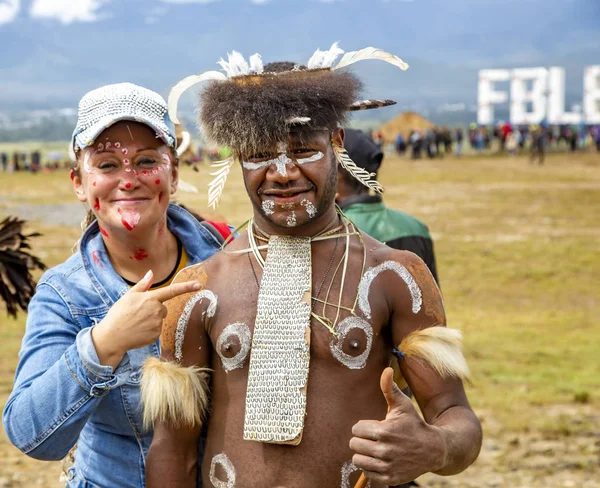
[401,447]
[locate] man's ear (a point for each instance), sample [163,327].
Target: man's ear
[337,137]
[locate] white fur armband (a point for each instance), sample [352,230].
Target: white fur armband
[173,393]
[439,346]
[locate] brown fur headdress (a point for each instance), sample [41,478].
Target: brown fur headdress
[252,107]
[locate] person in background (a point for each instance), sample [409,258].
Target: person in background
[458,137]
[95,318]
[397,229]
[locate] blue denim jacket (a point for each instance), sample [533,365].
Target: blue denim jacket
[62,395]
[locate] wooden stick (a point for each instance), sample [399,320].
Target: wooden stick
[362,481]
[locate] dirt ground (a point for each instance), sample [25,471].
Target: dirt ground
[517,250]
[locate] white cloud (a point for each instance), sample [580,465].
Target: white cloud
[67,11]
[188,1]
[260,2]
[8,11]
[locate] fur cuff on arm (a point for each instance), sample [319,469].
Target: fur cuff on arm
[174,394]
[440,347]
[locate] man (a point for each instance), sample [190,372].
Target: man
[392,227]
[298,317]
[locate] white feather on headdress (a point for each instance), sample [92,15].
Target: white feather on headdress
[324,59]
[215,187]
[235,65]
[370,53]
[256,64]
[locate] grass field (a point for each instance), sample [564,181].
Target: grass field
[519,262]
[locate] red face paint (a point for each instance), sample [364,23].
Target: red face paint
[96,259]
[140,254]
[94,183]
[145,173]
[157,182]
[127,185]
[97,205]
[129,219]
[104,233]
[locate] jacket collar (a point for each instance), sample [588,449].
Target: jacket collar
[363,198]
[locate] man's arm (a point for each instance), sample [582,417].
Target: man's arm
[404,446]
[173,456]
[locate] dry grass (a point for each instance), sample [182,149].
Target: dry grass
[517,250]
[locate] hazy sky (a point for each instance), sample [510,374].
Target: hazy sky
[76,44]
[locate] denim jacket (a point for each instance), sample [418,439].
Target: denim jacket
[62,395]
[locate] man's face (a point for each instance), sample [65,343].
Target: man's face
[292,184]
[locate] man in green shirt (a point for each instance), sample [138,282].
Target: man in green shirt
[397,229]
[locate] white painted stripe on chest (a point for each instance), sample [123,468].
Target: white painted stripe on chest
[402,272]
[184,319]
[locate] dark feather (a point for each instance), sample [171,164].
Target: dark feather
[16,263]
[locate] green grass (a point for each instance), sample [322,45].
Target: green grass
[517,250]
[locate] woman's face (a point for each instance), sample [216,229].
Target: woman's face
[127,177]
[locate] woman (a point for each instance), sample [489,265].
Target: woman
[96,317]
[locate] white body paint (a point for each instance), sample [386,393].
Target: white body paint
[267,206]
[310,208]
[336,342]
[291,220]
[347,470]
[227,465]
[243,334]
[183,321]
[402,272]
[281,161]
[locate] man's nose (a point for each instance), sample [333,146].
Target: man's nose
[282,170]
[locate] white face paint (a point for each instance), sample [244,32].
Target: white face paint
[242,332]
[267,206]
[223,461]
[291,220]
[336,342]
[347,470]
[184,319]
[282,160]
[314,157]
[402,272]
[310,208]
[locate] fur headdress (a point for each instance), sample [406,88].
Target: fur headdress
[251,107]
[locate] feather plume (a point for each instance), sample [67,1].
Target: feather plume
[174,393]
[256,64]
[360,174]
[324,59]
[185,84]
[370,53]
[440,347]
[215,187]
[235,65]
[186,187]
[16,263]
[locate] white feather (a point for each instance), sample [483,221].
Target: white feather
[185,142]
[186,187]
[316,59]
[331,55]
[299,120]
[235,65]
[186,83]
[256,64]
[215,187]
[370,53]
